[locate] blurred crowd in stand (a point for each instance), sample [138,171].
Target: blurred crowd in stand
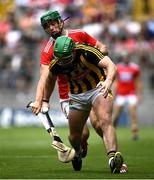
[110,21]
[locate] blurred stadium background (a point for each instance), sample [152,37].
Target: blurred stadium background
[120,24]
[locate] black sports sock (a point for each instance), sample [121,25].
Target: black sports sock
[111,154]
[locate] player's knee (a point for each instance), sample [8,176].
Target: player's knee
[96,125]
[85,134]
[98,129]
[105,120]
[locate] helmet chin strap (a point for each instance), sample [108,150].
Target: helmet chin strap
[54,35]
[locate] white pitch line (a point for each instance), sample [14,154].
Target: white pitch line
[24,156]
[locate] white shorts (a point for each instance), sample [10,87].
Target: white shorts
[84,101]
[126,100]
[65,106]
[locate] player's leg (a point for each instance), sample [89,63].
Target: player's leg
[85,134]
[103,110]
[77,120]
[84,142]
[132,107]
[95,123]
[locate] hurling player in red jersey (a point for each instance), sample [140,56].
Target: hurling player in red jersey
[53,25]
[128,88]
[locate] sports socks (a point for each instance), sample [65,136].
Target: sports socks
[111,154]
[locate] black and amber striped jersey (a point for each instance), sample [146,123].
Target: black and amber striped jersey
[84,73]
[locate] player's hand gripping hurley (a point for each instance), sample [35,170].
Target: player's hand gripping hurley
[65,153]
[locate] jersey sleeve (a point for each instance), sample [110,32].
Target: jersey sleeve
[45,58]
[47,53]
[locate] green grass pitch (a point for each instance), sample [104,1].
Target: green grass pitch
[26,153]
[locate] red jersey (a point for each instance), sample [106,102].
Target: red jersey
[47,55]
[126,78]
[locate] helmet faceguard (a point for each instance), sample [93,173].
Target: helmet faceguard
[63,50]
[65,61]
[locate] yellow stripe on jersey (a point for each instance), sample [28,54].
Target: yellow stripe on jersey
[76,87]
[102,78]
[52,63]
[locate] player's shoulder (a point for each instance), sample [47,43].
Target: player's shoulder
[76,32]
[48,45]
[72,31]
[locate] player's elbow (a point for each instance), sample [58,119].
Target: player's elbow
[104,50]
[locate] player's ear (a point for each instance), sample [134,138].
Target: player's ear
[61,23]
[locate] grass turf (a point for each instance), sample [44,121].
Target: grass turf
[25,153]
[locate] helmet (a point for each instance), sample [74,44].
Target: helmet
[63,47]
[50,15]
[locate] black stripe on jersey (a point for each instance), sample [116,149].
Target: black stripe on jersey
[79,87]
[71,86]
[76,88]
[95,76]
[88,84]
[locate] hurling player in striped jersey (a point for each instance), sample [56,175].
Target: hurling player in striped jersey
[90,75]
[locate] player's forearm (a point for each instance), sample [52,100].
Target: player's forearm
[39,91]
[49,87]
[41,84]
[114,85]
[111,70]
